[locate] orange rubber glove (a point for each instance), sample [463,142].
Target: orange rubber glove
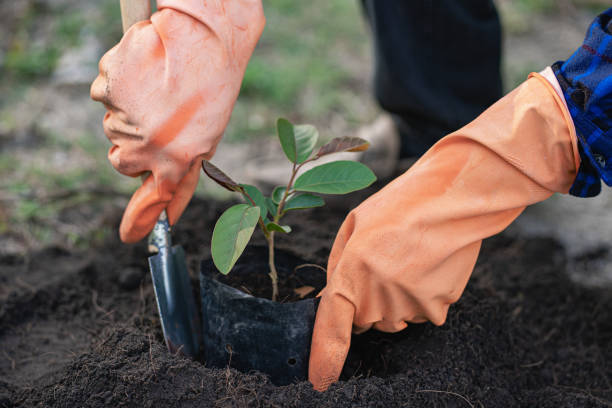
[170,86]
[406,253]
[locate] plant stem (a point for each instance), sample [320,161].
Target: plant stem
[270,237]
[273,274]
[281,204]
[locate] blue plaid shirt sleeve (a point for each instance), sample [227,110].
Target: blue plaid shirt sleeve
[586,81]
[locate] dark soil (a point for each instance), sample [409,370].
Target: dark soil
[80,329]
[250,274]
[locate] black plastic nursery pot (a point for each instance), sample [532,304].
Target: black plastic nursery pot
[248,332]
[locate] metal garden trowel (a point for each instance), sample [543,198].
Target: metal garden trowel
[177,311]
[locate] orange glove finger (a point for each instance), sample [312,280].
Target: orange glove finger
[331,337]
[331,340]
[183,193]
[142,211]
[151,199]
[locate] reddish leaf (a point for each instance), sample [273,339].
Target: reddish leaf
[220,177]
[343,144]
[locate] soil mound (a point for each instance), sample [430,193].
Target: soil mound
[80,329]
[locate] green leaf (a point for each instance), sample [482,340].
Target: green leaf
[272,207]
[232,234]
[219,177]
[343,144]
[257,196]
[304,201]
[297,141]
[284,130]
[339,177]
[305,139]
[277,194]
[272,226]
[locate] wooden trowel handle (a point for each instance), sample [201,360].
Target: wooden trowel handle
[133,11]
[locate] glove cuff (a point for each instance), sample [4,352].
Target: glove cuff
[548,79]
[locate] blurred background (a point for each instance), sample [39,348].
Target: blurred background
[313,64]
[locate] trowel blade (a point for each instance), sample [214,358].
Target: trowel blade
[175,302]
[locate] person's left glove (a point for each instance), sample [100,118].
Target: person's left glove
[169,87]
[405,254]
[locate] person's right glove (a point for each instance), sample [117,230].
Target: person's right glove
[169,88]
[406,253]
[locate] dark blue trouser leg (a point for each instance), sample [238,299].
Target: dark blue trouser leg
[437,64]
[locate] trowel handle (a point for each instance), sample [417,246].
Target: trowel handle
[133,11]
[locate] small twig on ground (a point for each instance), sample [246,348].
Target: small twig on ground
[179,350]
[151,353]
[143,304]
[309,265]
[13,363]
[228,373]
[537,363]
[449,393]
[587,392]
[24,284]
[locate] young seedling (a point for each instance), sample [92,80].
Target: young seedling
[235,227]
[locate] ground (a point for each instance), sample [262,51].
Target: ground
[80,329]
[53,151]
[77,313]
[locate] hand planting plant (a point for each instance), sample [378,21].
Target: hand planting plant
[236,225]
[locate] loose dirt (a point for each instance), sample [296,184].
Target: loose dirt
[80,329]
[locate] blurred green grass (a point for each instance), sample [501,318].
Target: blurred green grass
[299,65]
[311,65]
[32,54]
[301,69]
